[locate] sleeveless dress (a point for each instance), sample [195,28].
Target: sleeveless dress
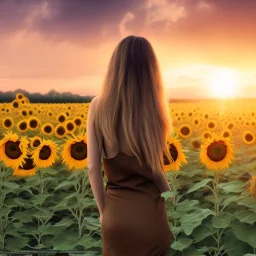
[134,218]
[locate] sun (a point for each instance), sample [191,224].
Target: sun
[223,83]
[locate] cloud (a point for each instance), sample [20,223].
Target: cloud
[122,26]
[162,10]
[84,23]
[202,4]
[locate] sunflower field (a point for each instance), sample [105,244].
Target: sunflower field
[46,201]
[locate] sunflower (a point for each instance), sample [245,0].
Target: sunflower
[196,144]
[196,122]
[226,133]
[60,131]
[23,112]
[45,154]
[248,137]
[78,121]
[8,123]
[35,141]
[177,155]
[70,125]
[27,169]
[47,129]
[15,104]
[74,153]
[33,123]
[230,126]
[211,125]
[190,114]
[7,109]
[49,113]
[26,100]
[216,153]
[12,150]
[185,130]
[61,118]
[22,125]
[19,96]
[207,135]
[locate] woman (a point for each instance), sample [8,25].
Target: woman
[129,121]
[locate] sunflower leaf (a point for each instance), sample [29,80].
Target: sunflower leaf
[222,220]
[181,244]
[199,185]
[232,186]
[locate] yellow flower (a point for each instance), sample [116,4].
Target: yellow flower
[178,157]
[74,153]
[12,150]
[45,154]
[216,153]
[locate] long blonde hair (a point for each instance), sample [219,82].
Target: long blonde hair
[133,96]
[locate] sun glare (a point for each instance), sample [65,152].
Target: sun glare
[223,83]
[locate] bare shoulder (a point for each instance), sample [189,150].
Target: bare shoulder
[94,101]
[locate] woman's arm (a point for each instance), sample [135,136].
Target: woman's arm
[94,160]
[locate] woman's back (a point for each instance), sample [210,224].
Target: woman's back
[134,217]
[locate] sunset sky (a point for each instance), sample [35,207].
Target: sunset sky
[206,48]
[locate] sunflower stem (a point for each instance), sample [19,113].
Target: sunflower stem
[217,211]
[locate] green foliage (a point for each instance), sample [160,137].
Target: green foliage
[45,212]
[56,210]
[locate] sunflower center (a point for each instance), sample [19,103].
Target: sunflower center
[70,126]
[62,118]
[23,126]
[8,123]
[60,130]
[77,122]
[36,143]
[79,151]
[45,152]
[217,151]
[248,137]
[174,153]
[185,130]
[28,165]
[33,123]
[48,129]
[12,149]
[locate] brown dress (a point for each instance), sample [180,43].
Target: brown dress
[134,218]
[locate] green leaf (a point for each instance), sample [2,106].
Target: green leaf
[230,200]
[21,202]
[232,187]
[168,194]
[4,211]
[244,232]
[222,220]
[65,184]
[65,222]
[250,202]
[181,244]
[16,243]
[31,183]
[201,232]
[245,216]
[24,216]
[186,206]
[198,185]
[39,199]
[192,220]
